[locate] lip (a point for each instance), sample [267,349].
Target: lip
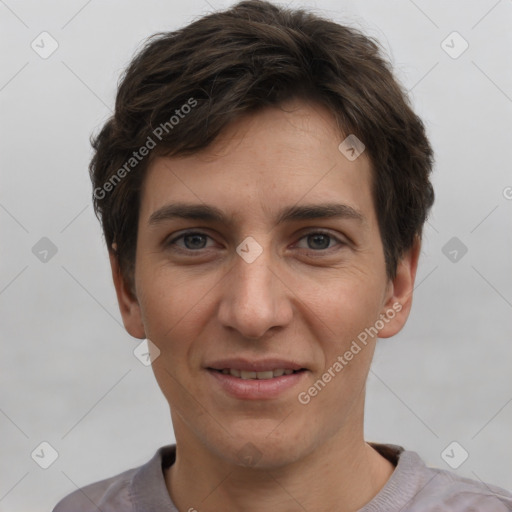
[256,389]
[262,365]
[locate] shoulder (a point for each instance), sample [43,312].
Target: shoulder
[108,495]
[121,492]
[441,490]
[465,494]
[415,487]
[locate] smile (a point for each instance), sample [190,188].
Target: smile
[247,375]
[257,385]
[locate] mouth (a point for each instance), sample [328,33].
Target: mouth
[256,380]
[252,375]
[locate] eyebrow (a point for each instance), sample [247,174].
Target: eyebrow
[209,213]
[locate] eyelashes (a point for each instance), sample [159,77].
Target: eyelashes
[322,236]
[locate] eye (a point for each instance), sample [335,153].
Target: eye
[192,240]
[320,240]
[195,241]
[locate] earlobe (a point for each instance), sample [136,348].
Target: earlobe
[128,304]
[399,299]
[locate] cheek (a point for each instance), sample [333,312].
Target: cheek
[347,349]
[173,307]
[347,309]
[347,305]
[173,313]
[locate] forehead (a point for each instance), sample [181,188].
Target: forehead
[279,156]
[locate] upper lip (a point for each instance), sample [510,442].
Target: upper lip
[261,365]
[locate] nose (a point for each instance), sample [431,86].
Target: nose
[254,299]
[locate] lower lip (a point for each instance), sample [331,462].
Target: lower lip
[256,389]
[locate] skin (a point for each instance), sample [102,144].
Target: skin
[298,300]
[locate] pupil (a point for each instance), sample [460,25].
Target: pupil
[319,237]
[195,238]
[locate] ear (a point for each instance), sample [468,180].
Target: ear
[128,303]
[398,301]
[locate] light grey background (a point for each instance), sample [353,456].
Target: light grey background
[68,374]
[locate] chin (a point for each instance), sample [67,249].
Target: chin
[261,451]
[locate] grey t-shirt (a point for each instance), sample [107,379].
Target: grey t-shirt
[413,487]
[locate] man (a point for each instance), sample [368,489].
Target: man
[262,188]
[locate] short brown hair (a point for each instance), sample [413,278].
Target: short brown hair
[237,61]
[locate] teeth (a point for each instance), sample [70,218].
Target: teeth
[247,375]
[265,375]
[269,374]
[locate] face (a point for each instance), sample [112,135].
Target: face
[263,254]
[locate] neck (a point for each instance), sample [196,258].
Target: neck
[339,475]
